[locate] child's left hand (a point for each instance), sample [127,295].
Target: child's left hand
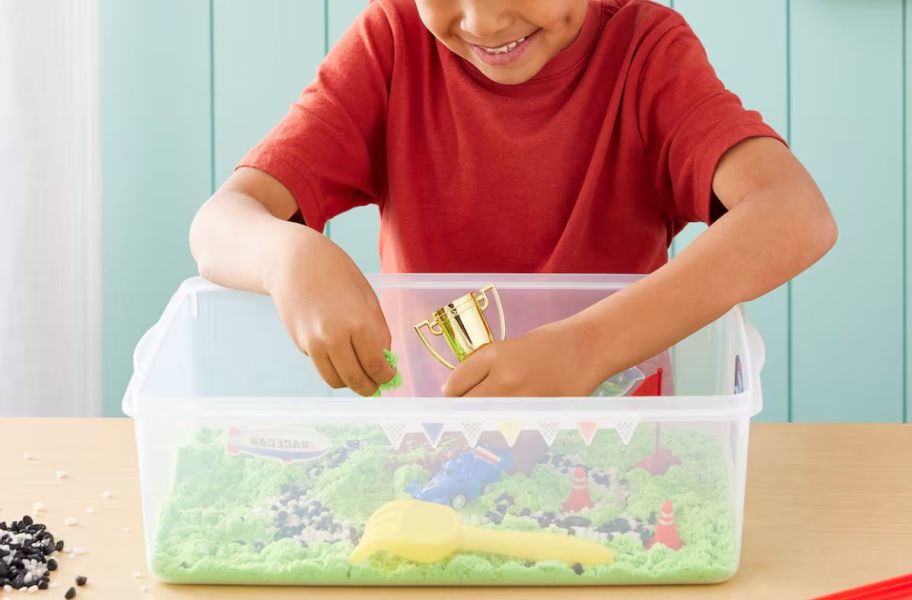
[548,361]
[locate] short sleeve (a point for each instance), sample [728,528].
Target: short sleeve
[328,150]
[688,121]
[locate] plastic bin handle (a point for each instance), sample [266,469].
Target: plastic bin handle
[140,356]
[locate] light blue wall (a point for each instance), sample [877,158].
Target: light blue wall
[188,86]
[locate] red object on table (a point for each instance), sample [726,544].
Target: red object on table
[897,588]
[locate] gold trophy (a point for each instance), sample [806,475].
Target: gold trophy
[463,325]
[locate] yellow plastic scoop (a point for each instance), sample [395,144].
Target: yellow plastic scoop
[427,532]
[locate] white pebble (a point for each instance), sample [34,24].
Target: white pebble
[89,510]
[126,529]
[70,521]
[137,575]
[143,588]
[7,588]
[60,474]
[25,456]
[106,494]
[32,589]
[37,506]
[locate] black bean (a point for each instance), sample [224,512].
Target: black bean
[81,580]
[70,593]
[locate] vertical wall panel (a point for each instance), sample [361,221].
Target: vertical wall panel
[907,279]
[847,343]
[356,230]
[155,140]
[746,42]
[265,53]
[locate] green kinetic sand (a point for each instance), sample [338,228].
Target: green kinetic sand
[220,523]
[396,381]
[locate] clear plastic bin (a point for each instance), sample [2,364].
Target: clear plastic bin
[254,471]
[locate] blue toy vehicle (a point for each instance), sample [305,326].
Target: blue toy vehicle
[463,478]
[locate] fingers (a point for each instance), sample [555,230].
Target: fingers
[344,359]
[326,370]
[369,345]
[467,375]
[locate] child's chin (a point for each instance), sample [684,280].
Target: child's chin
[510,75]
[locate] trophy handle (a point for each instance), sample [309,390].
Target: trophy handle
[500,312]
[427,344]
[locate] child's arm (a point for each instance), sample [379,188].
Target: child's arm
[777,225]
[241,238]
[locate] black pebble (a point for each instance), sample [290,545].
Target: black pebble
[59,546]
[619,525]
[70,593]
[578,568]
[576,521]
[494,517]
[52,564]
[27,520]
[42,585]
[3,525]
[81,580]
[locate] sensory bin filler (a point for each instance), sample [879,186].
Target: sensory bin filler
[438,494]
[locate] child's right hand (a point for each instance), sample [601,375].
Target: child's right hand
[331,312]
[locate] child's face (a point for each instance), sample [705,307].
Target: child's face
[508,40]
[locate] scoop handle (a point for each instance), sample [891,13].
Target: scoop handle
[537,546]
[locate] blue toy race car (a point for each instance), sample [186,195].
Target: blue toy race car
[463,478]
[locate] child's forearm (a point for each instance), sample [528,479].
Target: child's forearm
[237,242]
[761,243]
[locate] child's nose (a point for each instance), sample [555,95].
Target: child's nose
[484,19]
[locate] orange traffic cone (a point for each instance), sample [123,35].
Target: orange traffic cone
[579,494]
[666,531]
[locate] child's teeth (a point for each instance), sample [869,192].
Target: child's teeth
[506,48]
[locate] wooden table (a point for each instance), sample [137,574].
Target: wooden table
[828,507]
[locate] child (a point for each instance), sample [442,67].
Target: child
[516,136]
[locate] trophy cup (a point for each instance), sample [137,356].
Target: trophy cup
[463,325]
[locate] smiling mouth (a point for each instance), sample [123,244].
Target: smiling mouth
[503,49]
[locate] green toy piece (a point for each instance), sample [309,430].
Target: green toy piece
[396,381]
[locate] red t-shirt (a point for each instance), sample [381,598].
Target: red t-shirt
[591,166]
